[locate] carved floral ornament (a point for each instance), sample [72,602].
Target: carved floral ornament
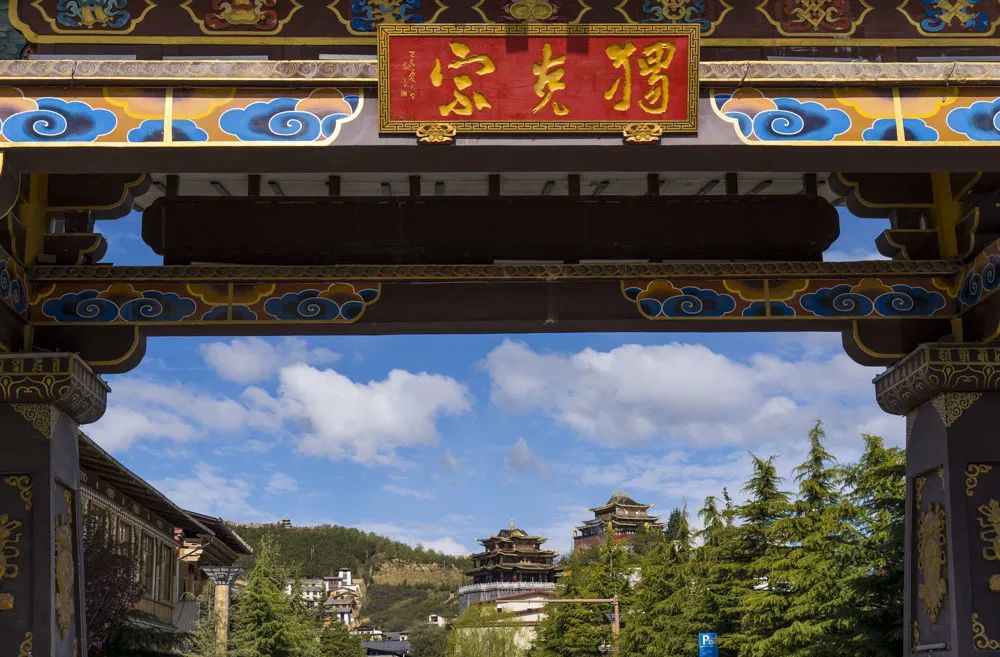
[931,560]
[26,646]
[989,521]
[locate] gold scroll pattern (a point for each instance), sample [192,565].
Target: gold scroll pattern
[951,405]
[932,556]
[65,575]
[39,415]
[10,539]
[989,522]
[979,637]
[972,474]
[23,485]
[26,646]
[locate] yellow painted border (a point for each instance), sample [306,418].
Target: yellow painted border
[386,32]
[186,6]
[866,8]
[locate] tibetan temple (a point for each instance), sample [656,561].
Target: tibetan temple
[512,562]
[360,167]
[625,516]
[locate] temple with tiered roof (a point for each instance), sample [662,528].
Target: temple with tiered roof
[626,517]
[512,562]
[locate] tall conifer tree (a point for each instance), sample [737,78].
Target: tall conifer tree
[760,602]
[811,571]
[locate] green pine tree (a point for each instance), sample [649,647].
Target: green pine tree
[337,641]
[576,630]
[263,623]
[761,603]
[878,490]
[812,570]
[657,625]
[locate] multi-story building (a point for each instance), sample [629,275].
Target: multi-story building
[624,515]
[171,544]
[512,562]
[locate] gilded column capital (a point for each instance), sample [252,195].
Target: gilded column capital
[62,380]
[938,369]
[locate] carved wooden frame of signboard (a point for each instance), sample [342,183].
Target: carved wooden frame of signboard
[444,129]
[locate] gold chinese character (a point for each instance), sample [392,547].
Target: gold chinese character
[620,55]
[549,73]
[653,65]
[462,104]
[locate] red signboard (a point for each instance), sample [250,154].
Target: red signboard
[538,78]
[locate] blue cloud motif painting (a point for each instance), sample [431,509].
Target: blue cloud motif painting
[913,130]
[794,120]
[57,120]
[84,306]
[692,302]
[12,290]
[88,306]
[158,306]
[367,15]
[275,120]
[307,305]
[976,283]
[837,301]
[291,119]
[979,122]
[152,130]
[908,301]
[777,309]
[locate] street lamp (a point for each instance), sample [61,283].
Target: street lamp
[223,576]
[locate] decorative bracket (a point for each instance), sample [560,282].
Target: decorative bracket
[60,380]
[436,133]
[642,133]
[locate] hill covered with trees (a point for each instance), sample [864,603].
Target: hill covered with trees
[325,549]
[405,584]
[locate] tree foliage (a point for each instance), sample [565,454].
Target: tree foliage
[817,572]
[323,550]
[482,631]
[336,641]
[112,585]
[428,641]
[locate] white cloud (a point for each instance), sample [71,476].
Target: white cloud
[407,492]
[334,416]
[253,359]
[686,394]
[850,255]
[279,482]
[210,492]
[144,409]
[366,422]
[521,458]
[417,536]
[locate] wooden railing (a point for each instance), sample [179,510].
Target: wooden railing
[162,611]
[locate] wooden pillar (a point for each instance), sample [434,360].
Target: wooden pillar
[44,398]
[950,394]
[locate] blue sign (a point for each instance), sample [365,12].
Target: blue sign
[708,644]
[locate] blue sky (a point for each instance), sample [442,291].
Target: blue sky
[440,440]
